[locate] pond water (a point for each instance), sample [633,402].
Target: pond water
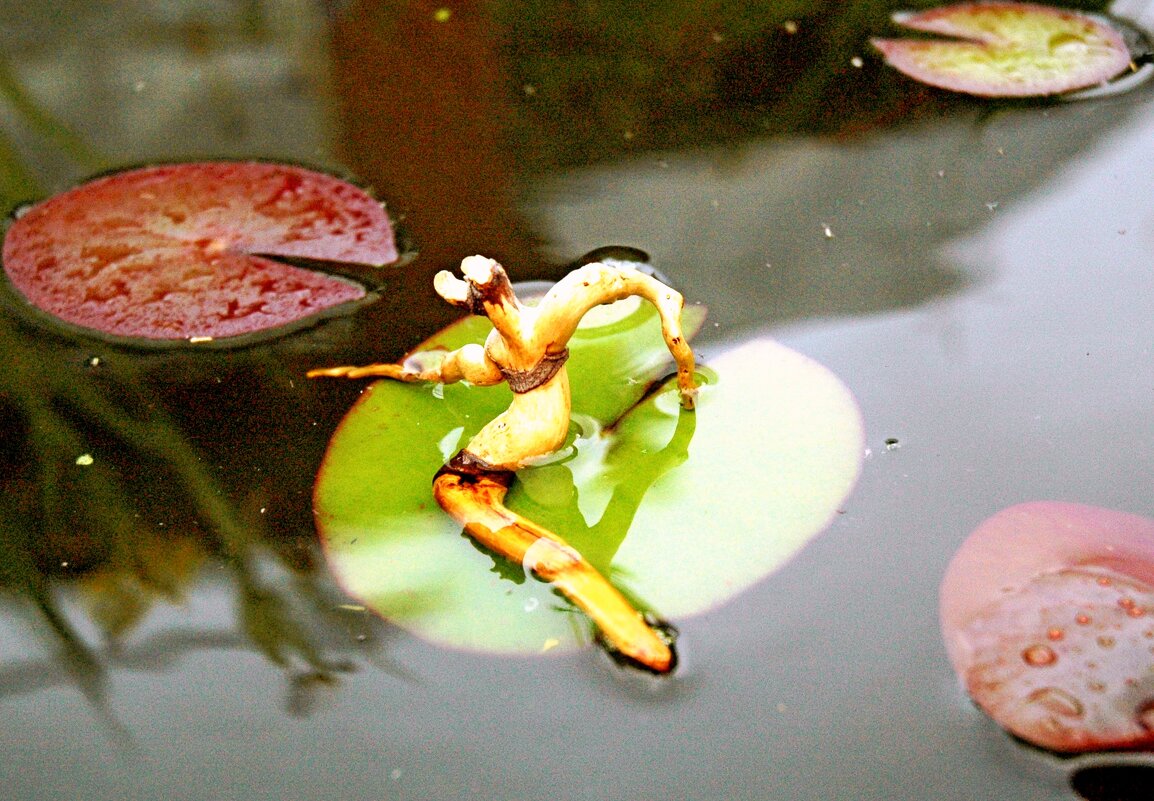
[978,274]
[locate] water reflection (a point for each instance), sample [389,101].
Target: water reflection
[719,144]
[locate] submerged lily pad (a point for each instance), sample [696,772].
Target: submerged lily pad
[182,251]
[1005,49]
[681,510]
[1048,616]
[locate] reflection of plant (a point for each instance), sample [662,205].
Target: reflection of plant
[16,181]
[600,79]
[91,454]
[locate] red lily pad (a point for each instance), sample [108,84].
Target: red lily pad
[182,251]
[1005,49]
[1047,611]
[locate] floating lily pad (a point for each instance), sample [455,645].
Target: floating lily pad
[191,251]
[1048,616]
[1007,49]
[681,510]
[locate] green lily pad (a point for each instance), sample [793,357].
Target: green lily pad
[1006,49]
[681,510]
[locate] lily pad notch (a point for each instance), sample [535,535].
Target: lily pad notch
[1007,49]
[199,252]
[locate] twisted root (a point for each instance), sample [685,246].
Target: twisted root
[473,494]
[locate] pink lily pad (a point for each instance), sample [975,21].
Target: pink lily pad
[1047,612]
[181,251]
[1005,49]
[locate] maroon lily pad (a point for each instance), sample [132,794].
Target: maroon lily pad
[182,251]
[1047,611]
[1005,49]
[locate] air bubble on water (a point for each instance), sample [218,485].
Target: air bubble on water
[1039,656]
[531,604]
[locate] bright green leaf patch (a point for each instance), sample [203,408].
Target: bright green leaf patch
[1006,49]
[681,510]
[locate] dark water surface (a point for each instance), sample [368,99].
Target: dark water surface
[979,275]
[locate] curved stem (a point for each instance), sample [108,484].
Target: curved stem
[477,503]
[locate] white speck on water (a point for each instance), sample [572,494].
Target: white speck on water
[84,459]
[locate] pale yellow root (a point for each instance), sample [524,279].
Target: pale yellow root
[536,423]
[394,371]
[477,503]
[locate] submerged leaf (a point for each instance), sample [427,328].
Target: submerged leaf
[1006,49]
[1048,616]
[181,251]
[681,510]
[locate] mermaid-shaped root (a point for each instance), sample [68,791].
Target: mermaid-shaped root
[473,494]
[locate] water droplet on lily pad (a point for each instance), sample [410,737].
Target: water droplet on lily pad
[191,252]
[680,510]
